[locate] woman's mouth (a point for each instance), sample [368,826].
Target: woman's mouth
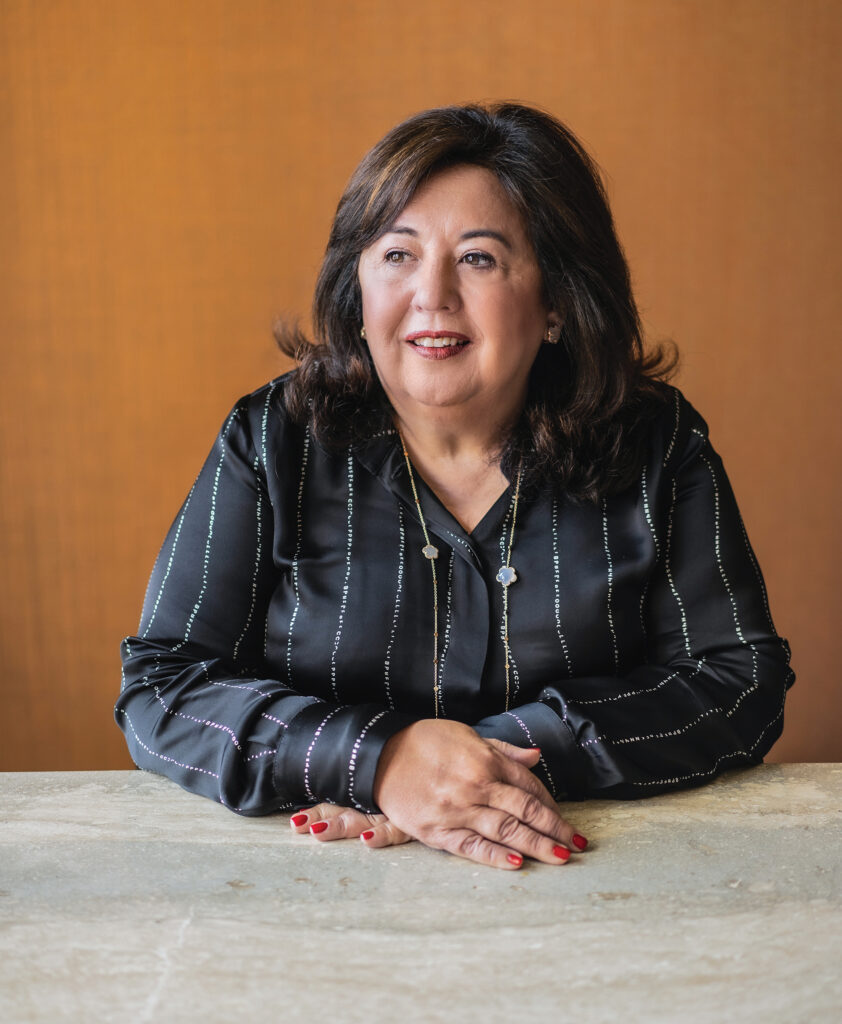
[437,344]
[428,342]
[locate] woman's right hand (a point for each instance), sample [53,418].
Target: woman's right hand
[441,783]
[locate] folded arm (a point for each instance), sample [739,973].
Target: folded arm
[711,694]
[195,703]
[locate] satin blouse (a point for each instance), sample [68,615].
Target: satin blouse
[287,630]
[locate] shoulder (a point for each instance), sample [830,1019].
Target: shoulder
[678,432]
[258,423]
[266,400]
[262,412]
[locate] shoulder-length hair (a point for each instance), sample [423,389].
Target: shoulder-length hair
[582,428]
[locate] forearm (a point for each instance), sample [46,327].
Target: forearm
[657,728]
[252,744]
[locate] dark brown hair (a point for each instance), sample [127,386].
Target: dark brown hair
[581,430]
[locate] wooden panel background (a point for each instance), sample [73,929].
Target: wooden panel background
[168,175]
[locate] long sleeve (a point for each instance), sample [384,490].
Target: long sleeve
[710,694]
[196,703]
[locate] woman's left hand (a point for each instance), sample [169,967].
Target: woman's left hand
[330,821]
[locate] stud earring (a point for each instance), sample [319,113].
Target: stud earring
[553,334]
[362,333]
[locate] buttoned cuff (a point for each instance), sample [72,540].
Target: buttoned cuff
[330,753]
[562,767]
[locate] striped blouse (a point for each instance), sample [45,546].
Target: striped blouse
[287,630]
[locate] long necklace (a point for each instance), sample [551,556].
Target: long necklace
[506,576]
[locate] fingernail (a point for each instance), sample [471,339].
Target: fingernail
[579,842]
[298,820]
[514,858]
[319,826]
[536,749]
[561,853]
[368,834]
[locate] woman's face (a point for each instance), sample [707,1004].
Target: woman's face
[451,296]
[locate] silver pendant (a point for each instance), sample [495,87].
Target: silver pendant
[507,575]
[430,551]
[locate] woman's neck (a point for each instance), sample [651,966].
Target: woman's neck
[449,439]
[455,435]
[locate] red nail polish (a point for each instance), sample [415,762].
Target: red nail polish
[298,819]
[579,842]
[514,858]
[561,853]
[368,834]
[319,826]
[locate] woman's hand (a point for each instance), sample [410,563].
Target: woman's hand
[441,783]
[330,821]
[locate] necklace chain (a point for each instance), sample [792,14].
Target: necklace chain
[506,576]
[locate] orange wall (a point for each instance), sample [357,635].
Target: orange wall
[169,172]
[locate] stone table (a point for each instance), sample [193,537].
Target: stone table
[123,898]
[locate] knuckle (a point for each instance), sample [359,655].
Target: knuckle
[531,807]
[507,828]
[471,846]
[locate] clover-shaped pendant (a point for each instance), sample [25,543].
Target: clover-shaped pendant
[507,575]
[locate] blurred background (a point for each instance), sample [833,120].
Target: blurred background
[168,175]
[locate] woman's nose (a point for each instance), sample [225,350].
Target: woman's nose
[436,286]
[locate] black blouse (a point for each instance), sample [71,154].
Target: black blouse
[287,630]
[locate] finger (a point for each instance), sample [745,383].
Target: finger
[300,821]
[510,833]
[303,821]
[529,810]
[331,821]
[477,848]
[348,824]
[386,833]
[528,756]
[517,775]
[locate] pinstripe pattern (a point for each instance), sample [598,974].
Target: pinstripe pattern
[512,663]
[668,569]
[169,564]
[299,530]
[542,762]
[610,594]
[352,761]
[557,589]
[699,690]
[346,585]
[721,567]
[644,493]
[307,760]
[387,662]
[675,428]
[446,643]
[257,560]
[206,561]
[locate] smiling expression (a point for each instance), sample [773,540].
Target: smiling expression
[452,302]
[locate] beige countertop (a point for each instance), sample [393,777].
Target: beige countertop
[123,898]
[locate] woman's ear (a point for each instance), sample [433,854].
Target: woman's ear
[553,332]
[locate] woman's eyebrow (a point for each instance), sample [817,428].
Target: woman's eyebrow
[397,229]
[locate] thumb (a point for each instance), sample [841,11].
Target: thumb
[527,756]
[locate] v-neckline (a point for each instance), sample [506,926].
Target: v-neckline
[489,520]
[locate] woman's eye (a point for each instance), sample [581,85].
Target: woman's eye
[395,256]
[478,259]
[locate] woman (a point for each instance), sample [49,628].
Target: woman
[473,556]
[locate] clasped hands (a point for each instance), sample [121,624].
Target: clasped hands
[439,782]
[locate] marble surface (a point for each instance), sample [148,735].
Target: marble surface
[123,898]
